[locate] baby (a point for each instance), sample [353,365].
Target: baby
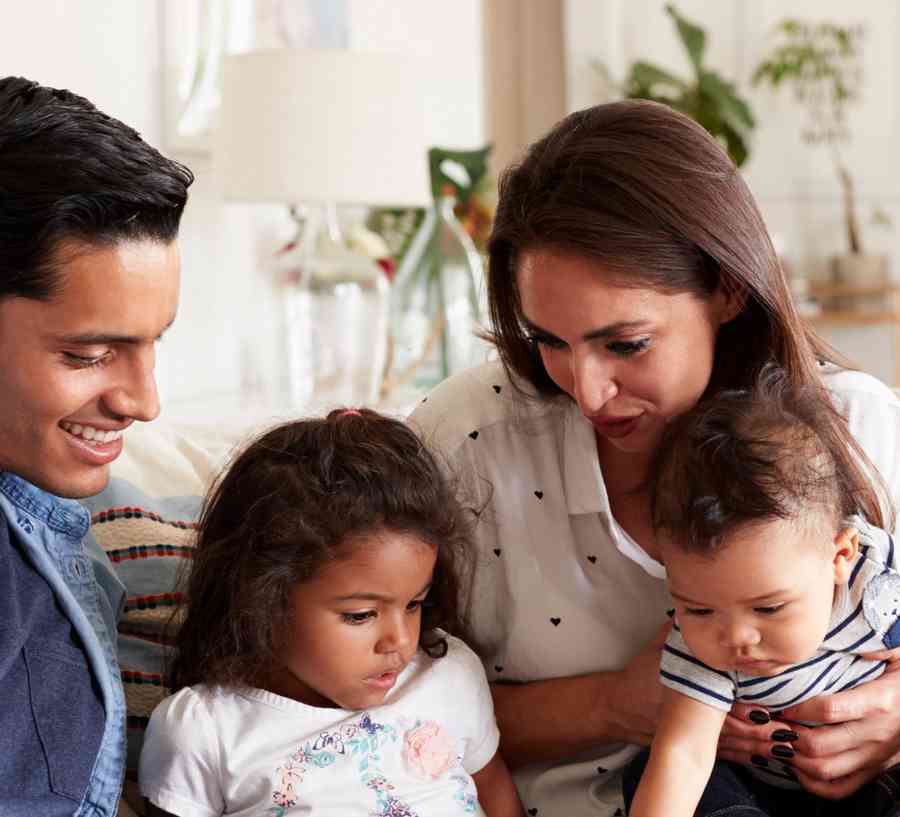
[780,586]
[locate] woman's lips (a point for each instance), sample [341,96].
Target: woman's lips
[616,427]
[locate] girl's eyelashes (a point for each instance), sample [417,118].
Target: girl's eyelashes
[698,611]
[626,348]
[358,618]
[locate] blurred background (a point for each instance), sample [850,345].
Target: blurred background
[805,93]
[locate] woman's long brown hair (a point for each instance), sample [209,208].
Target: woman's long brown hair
[650,196]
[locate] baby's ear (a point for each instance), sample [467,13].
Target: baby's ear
[846,546]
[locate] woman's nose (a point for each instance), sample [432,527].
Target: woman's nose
[594,383]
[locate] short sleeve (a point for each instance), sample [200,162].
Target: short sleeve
[873,417]
[679,670]
[473,702]
[179,767]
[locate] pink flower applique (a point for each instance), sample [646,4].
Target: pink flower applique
[429,751]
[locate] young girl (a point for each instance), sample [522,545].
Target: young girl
[310,674]
[782,592]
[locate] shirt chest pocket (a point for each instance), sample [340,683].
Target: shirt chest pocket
[68,713]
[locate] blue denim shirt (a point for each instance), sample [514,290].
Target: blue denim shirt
[51,532]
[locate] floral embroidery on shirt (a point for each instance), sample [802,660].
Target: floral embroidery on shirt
[363,741]
[429,751]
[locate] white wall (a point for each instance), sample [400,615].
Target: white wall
[112,51]
[795,185]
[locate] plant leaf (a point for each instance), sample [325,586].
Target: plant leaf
[692,36]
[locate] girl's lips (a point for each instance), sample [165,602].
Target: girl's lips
[384,681]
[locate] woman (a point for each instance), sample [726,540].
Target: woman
[630,274]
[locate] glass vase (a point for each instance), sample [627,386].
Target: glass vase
[438,305]
[336,319]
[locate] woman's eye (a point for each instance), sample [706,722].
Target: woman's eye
[697,611]
[547,341]
[358,618]
[414,605]
[626,348]
[768,611]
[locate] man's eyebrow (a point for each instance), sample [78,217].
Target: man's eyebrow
[103,339]
[609,331]
[377,596]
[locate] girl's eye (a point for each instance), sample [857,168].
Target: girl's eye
[358,618]
[697,611]
[82,362]
[768,611]
[626,348]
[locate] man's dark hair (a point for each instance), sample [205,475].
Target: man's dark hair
[69,171]
[745,456]
[304,495]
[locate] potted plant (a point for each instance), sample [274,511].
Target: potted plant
[707,97]
[821,63]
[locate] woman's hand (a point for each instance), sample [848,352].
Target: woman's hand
[860,738]
[750,733]
[637,695]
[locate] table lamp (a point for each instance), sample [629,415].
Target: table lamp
[314,129]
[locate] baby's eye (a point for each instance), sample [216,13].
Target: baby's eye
[698,611]
[768,611]
[358,618]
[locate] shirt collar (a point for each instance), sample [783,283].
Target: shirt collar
[584,486]
[65,516]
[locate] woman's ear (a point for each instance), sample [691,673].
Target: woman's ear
[846,546]
[733,297]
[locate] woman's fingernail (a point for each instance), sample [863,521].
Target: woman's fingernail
[782,751]
[784,735]
[670,613]
[758,760]
[758,716]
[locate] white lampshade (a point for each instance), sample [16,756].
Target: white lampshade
[323,125]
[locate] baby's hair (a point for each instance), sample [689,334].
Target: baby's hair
[295,499]
[745,456]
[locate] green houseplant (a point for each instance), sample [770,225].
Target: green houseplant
[821,63]
[706,97]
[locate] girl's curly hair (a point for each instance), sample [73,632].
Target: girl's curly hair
[295,499]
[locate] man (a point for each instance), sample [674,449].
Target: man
[89,277]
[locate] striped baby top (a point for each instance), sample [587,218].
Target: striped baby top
[865,617]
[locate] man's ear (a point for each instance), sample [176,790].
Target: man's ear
[846,546]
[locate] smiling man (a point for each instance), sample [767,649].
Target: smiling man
[89,277]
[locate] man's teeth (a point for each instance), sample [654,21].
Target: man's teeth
[90,433]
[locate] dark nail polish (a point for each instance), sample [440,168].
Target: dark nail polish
[670,613]
[782,751]
[758,760]
[784,735]
[776,716]
[758,716]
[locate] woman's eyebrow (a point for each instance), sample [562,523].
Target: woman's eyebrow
[608,331]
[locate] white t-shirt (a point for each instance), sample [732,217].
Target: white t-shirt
[213,751]
[560,589]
